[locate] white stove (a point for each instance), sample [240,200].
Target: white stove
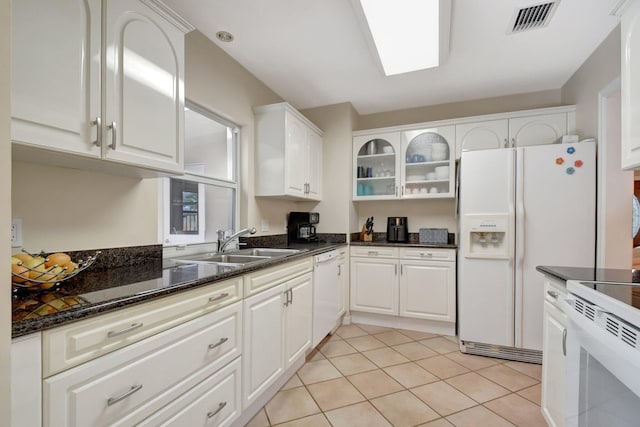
[603,354]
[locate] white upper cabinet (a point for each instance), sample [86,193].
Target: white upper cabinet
[120,98]
[144,82]
[482,135]
[288,154]
[55,87]
[537,130]
[629,13]
[409,164]
[517,129]
[376,166]
[428,163]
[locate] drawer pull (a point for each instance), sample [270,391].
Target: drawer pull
[429,254]
[219,343]
[213,413]
[114,400]
[372,253]
[219,297]
[133,326]
[552,294]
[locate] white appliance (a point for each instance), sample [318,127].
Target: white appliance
[603,354]
[519,208]
[326,295]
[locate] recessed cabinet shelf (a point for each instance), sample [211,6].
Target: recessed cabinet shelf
[413,164]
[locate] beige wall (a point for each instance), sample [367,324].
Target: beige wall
[336,209]
[70,209]
[502,104]
[600,69]
[217,82]
[5,210]
[592,85]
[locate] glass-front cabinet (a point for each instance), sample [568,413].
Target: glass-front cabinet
[428,166]
[376,167]
[406,164]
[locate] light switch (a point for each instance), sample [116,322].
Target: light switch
[264,225]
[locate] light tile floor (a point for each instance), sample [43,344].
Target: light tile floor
[373,376]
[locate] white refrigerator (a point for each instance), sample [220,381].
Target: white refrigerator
[519,208]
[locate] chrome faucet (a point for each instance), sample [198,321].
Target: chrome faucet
[223,243]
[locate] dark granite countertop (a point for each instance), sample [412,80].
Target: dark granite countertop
[102,290]
[591,274]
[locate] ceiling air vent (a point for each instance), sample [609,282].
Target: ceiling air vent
[532,17]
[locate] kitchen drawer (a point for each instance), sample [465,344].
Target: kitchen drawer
[264,279]
[374,251]
[427,254]
[213,402]
[132,383]
[71,345]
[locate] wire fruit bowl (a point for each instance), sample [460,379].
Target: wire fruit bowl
[41,274]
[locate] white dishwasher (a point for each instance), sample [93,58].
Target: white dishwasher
[326,295]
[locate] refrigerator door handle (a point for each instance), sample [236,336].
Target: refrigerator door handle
[520,246]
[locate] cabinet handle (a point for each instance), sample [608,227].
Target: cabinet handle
[506,143]
[219,343]
[98,123]
[552,294]
[114,400]
[213,413]
[286,298]
[291,294]
[401,270]
[395,269]
[428,254]
[396,191]
[402,192]
[339,270]
[513,142]
[133,326]
[372,253]
[219,297]
[564,341]
[114,135]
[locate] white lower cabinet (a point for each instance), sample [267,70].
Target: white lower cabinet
[130,384]
[343,282]
[426,290]
[277,331]
[554,331]
[216,401]
[26,381]
[412,282]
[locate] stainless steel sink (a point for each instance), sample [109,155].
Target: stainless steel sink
[268,252]
[240,257]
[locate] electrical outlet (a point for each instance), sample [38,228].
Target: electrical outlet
[16,232]
[264,225]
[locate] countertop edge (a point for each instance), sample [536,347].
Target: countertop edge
[403,245]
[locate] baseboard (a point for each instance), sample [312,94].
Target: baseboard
[421,325]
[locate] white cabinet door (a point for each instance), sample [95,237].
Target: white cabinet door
[630,81]
[144,87]
[427,290]
[553,365]
[55,87]
[263,358]
[482,135]
[374,285]
[427,163]
[537,130]
[298,317]
[295,155]
[380,154]
[343,285]
[314,170]
[26,381]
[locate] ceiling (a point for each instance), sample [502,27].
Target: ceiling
[314,53]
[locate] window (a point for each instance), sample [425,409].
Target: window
[205,199]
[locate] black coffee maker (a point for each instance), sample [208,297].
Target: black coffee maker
[301,227]
[397,230]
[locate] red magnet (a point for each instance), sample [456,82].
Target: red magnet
[559,160]
[578,163]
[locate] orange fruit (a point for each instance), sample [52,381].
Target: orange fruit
[59,258]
